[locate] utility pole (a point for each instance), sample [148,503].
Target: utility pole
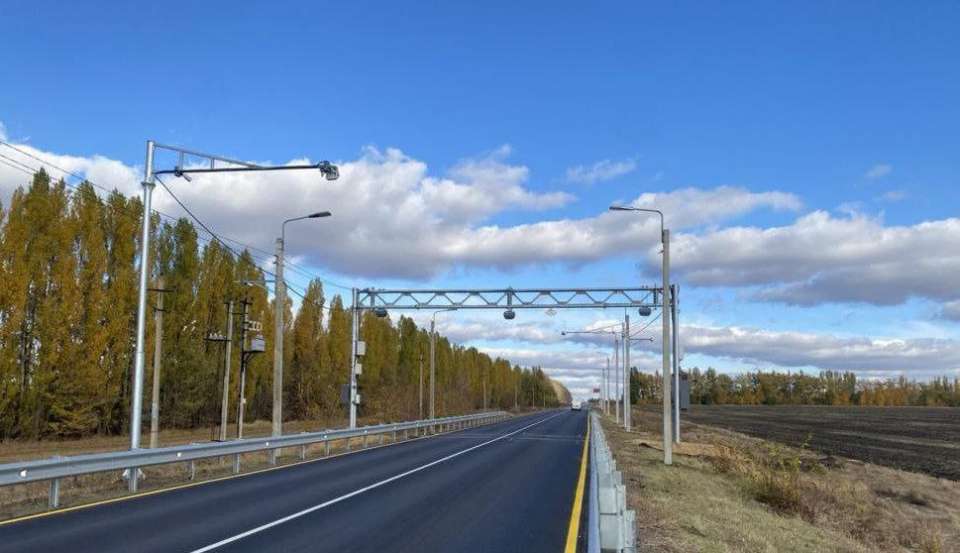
[433,364]
[242,401]
[225,398]
[279,306]
[354,353]
[627,416]
[421,386]
[676,363]
[616,378]
[157,360]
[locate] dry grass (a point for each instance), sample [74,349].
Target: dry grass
[734,493]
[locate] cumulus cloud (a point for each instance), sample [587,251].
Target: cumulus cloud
[916,357]
[600,171]
[692,207]
[913,357]
[392,218]
[878,171]
[580,370]
[821,258]
[104,171]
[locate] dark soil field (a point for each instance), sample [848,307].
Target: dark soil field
[919,439]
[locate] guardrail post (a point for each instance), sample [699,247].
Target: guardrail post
[303,453]
[381,439]
[54,500]
[193,469]
[327,448]
[236,464]
[348,445]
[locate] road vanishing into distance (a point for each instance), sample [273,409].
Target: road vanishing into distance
[498,488]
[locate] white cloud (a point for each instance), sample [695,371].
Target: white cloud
[919,357]
[106,172]
[580,370]
[393,219]
[600,171]
[692,207]
[878,171]
[893,196]
[821,258]
[914,357]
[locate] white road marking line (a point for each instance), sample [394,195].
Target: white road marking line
[309,510]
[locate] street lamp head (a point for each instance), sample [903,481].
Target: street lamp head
[620,208]
[509,314]
[328,170]
[319,214]
[380,312]
[644,311]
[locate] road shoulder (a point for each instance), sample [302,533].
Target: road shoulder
[726,497]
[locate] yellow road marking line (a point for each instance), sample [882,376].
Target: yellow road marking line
[574,527]
[211,481]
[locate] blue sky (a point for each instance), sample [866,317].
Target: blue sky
[849,108]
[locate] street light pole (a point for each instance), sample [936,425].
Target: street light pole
[328,170]
[606,389]
[616,378]
[665,346]
[280,304]
[627,418]
[665,317]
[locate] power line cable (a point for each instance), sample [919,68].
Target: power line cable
[10,160]
[21,169]
[650,322]
[221,239]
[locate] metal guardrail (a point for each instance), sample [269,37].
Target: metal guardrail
[612,525]
[129,461]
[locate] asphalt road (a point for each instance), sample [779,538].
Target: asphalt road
[498,488]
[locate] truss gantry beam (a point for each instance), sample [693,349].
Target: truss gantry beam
[510,298]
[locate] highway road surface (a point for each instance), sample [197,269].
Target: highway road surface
[497,488]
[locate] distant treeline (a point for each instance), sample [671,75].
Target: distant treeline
[68,286]
[798,388]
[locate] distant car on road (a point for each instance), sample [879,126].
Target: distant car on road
[575,407]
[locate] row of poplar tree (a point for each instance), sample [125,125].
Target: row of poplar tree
[68,267]
[708,387]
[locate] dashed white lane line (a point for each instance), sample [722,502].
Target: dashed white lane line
[375,485]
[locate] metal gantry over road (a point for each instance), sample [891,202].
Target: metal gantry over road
[643,298]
